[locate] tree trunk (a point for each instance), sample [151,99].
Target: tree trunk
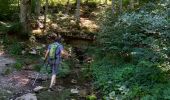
[68,7]
[18,5]
[137,2]
[113,10]
[25,12]
[132,4]
[37,7]
[87,1]
[78,11]
[45,14]
[105,2]
[120,6]
[100,1]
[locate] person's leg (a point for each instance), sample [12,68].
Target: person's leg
[53,77]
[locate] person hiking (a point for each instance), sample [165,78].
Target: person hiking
[53,57]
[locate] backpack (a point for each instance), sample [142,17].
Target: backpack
[53,49]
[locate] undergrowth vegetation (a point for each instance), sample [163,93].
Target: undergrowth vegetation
[134,60]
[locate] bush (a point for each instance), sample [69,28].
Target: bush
[135,54]
[15,48]
[15,28]
[18,65]
[64,69]
[8,10]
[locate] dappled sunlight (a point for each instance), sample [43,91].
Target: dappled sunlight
[37,32]
[110,49]
[19,80]
[5,24]
[89,24]
[1,53]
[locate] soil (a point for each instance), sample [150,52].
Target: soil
[17,83]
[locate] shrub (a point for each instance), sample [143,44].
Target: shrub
[64,69]
[8,9]
[141,41]
[15,48]
[18,65]
[15,28]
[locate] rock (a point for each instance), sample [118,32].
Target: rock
[72,22]
[112,95]
[9,92]
[34,52]
[59,88]
[41,77]
[23,52]
[38,88]
[122,88]
[83,93]
[28,96]
[73,81]
[74,91]
[54,26]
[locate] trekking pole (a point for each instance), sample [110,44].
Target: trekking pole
[35,79]
[44,65]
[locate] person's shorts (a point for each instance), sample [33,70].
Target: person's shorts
[54,67]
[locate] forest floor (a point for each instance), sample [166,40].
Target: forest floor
[77,85]
[14,84]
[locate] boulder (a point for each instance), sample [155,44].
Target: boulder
[28,96]
[38,88]
[74,91]
[73,81]
[83,93]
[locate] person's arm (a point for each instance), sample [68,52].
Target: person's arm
[46,55]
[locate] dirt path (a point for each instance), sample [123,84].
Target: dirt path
[16,83]
[12,82]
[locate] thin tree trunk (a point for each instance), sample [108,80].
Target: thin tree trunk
[87,1]
[113,9]
[45,15]
[38,7]
[25,12]
[105,2]
[100,1]
[132,4]
[137,2]
[18,5]
[78,11]
[120,6]
[68,7]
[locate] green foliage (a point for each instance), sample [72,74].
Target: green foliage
[3,27]
[18,65]
[8,9]
[4,94]
[135,54]
[64,69]
[142,35]
[8,71]
[15,48]
[91,97]
[15,28]
[138,79]
[44,69]
[37,67]
[62,95]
